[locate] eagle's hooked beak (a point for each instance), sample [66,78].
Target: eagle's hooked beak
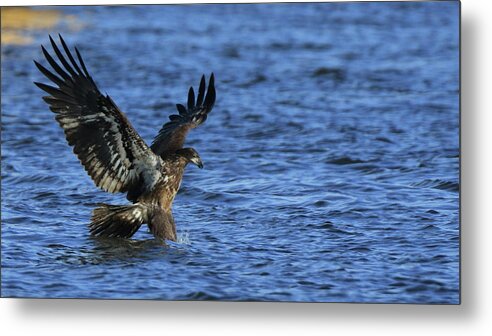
[196,160]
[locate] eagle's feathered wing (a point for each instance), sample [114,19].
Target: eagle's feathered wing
[172,135]
[107,145]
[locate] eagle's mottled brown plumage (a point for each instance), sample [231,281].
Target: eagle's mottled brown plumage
[114,155]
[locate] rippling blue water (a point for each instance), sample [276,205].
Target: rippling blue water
[331,157]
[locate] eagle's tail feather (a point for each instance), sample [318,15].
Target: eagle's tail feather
[117,220]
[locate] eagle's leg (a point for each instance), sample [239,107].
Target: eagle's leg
[118,220]
[161,224]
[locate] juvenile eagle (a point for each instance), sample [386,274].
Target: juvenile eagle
[114,155]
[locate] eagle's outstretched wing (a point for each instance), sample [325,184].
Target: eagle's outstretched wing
[103,139]
[173,133]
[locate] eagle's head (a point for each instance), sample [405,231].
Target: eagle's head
[190,155]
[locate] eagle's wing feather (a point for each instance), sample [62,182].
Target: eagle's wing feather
[103,139]
[173,133]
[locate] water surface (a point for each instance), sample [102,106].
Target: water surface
[331,156]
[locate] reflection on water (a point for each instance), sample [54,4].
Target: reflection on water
[19,24]
[102,251]
[331,157]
